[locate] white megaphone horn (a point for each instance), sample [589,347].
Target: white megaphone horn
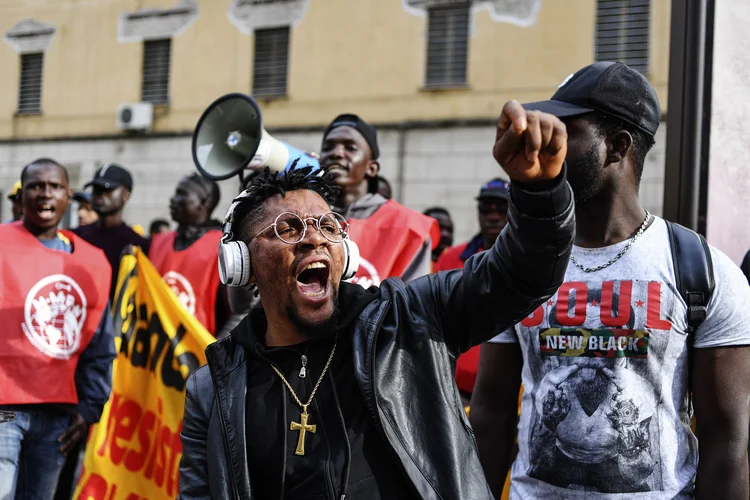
[230,137]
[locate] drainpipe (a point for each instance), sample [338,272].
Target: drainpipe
[689,113]
[401,161]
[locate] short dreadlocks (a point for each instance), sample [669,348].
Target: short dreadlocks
[267,184]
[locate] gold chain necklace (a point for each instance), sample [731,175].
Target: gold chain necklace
[303,427]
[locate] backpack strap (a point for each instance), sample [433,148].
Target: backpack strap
[694,272]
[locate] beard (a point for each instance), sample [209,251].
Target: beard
[320,330]
[585,176]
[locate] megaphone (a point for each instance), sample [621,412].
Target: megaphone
[230,137]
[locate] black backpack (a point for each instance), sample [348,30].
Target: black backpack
[694,272]
[694,276]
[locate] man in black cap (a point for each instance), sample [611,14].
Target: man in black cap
[394,240]
[111,188]
[612,362]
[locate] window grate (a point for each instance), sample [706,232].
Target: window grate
[447,45]
[157,55]
[622,32]
[30,86]
[271,62]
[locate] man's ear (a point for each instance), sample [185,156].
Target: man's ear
[373,167]
[618,145]
[125,195]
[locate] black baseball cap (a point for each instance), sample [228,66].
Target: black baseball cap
[368,131]
[496,188]
[612,88]
[111,176]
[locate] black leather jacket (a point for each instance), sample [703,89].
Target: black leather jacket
[403,344]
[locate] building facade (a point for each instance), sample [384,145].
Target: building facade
[433,75]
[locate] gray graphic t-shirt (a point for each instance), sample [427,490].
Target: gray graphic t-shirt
[605,407]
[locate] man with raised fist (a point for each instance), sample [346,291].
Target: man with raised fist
[333,391]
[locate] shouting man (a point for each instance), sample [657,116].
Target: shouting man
[57,348]
[331,390]
[393,240]
[613,364]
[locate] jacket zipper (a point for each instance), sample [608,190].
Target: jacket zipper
[233,480]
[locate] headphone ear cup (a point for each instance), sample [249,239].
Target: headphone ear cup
[234,263]
[351,251]
[246,267]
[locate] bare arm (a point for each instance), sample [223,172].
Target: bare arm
[494,409]
[722,408]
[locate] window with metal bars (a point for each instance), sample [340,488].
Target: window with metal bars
[30,85]
[271,62]
[447,45]
[622,32]
[156,60]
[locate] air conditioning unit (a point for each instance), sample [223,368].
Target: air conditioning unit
[135,116]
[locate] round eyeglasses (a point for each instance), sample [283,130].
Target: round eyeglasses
[291,228]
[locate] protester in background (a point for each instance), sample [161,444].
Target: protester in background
[443,217]
[380,422]
[111,188]
[158,226]
[16,204]
[393,240]
[57,346]
[492,212]
[86,213]
[187,258]
[609,368]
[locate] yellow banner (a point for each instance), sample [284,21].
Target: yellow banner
[134,452]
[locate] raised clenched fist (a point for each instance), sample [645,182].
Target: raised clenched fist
[530,145]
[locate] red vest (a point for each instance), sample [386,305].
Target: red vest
[192,274]
[468,363]
[51,304]
[389,240]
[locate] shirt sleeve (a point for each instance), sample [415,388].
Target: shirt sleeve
[507,337]
[94,371]
[421,265]
[727,320]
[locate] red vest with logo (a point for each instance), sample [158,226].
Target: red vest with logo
[389,240]
[467,364]
[192,274]
[51,304]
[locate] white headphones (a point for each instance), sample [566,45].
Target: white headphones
[234,256]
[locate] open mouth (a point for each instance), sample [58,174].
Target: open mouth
[336,168]
[45,212]
[313,280]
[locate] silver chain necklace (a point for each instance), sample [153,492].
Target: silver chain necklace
[619,255]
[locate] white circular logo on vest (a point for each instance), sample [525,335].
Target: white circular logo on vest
[182,288]
[54,313]
[367,275]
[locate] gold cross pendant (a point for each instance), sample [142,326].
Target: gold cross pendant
[303,428]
